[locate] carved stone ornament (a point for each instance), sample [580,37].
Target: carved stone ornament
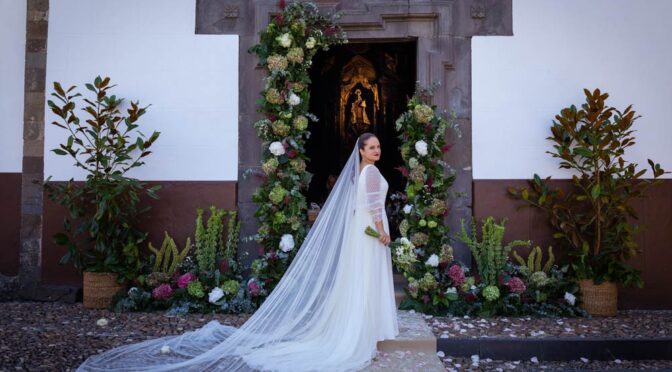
[478,12]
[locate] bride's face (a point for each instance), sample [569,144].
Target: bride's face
[371,150]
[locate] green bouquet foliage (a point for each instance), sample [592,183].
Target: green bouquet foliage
[286,49]
[100,230]
[593,219]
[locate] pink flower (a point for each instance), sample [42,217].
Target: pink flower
[253,287]
[456,274]
[162,292]
[516,285]
[185,279]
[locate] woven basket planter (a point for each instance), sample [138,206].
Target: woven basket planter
[599,299]
[99,289]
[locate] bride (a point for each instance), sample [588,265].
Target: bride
[331,307]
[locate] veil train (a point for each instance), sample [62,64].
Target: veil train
[310,321]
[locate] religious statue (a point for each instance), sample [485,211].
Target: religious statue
[358,117]
[359,100]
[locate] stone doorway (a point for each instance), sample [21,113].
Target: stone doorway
[442,29]
[358,87]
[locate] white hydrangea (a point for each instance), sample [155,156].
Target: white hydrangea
[293,99]
[412,162]
[215,295]
[277,148]
[310,43]
[570,298]
[404,241]
[433,261]
[285,40]
[408,208]
[421,147]
[287,243]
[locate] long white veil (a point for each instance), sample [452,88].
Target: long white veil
[294,312]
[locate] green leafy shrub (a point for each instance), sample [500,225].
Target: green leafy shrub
[592,220]
[100,231]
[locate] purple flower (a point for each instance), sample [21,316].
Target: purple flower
[162,292]
[456,274]
[185,279]
[516,285]
[253,287]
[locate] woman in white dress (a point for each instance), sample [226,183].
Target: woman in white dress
[327,313]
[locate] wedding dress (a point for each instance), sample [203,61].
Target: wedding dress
[331,307]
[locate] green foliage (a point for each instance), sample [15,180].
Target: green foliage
[232,236]
[100,230]
[424,235]
[593,218]
[534,258]
[209,240]
[286,48]
[200,294]
[168,256]
[489,254]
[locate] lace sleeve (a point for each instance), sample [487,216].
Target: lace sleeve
[375,199]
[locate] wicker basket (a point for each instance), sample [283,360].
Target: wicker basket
[600,299]
[99,288]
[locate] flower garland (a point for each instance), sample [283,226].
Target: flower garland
[286,49]
[423,252]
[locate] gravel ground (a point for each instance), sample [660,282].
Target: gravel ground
[39,336]
[631,323]
[467,364]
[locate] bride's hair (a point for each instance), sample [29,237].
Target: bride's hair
[364,138]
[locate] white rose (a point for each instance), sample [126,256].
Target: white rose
[570,298]
[310,43]
[215,295]
[285,40]
[102,322]
[293,99]
[165,349]
[407,208]
[421,147]
[451,290]
[287,243]
[404,241]
[277,148]
[433,261]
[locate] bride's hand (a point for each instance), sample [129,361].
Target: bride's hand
[384,238]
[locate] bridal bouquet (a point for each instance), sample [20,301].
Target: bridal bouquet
[371,232]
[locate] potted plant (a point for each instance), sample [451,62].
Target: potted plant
[100,229]
[594,217]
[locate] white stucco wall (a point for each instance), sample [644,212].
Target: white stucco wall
[150,50]
[521,82]
[12,62]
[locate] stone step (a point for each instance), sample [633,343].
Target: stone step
[414,349]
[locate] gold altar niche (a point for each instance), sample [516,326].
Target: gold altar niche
[359,103]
